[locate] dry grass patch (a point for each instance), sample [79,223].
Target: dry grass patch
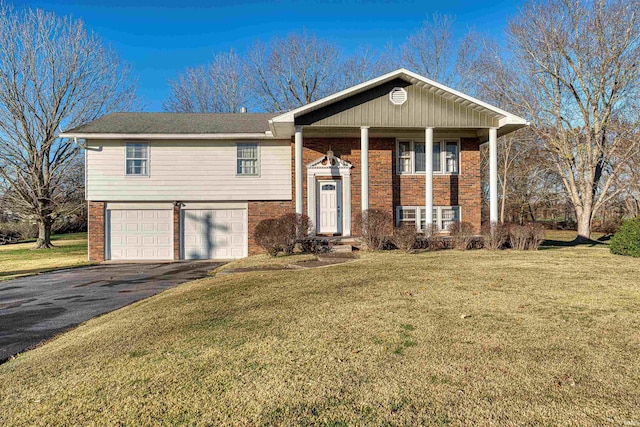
[22,259]
[264,261]
[551,337]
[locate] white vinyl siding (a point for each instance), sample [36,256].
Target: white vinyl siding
[443,216]
[411,158]
[137,159]
[188,171]
[248,159]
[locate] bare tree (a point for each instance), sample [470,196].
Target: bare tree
[429,51]
[293,71]
[367,63]
[218,87]
[433,52]
[53,74]
[572,67]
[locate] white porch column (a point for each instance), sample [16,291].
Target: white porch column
[298,168]
[493,175]
[364,152]
[428,184]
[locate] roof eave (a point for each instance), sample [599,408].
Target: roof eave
[167,136]
[290,116]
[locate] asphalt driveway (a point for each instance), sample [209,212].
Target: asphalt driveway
[36,308]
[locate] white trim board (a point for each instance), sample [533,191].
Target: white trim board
[341,169]
[413,78]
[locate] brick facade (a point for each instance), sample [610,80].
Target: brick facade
[264,210]
[96,212]
[387,189]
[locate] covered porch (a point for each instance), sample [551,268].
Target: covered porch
[409,116]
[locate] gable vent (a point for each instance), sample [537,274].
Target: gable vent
[398,96]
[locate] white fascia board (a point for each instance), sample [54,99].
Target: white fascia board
[156,136]
[402,72]
[513,120]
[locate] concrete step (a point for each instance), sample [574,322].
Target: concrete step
[342,248]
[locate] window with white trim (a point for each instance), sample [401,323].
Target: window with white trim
[411,157]
[443,216]
[137,159]
[248,159]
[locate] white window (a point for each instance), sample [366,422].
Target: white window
[451,156]
[405,157]
[443,216]
[411,157]
[248,159]
[137,159]
[406,216]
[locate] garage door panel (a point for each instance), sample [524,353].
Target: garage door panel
[141,234]
[237,227]
[215,233]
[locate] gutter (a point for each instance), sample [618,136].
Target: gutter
[166,136]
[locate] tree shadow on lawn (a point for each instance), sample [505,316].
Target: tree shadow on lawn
[578,241]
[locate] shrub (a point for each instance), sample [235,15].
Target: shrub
[18,230]
[526,237]
[495,237]
[462,235]
[267,235]
[627,240]
[518,237]
[609,227]
[293,228]
[283,233]
[312,245]
[375,227]
[405,237]
[536,233]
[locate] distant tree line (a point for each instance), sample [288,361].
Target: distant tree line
[569,66]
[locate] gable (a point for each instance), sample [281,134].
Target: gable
[424,108]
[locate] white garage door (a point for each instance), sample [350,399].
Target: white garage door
[215,233]
[141,234]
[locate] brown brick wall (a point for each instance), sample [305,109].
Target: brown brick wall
[264,210]
[448,190]
[380,178]
[96,231]
[388,189]
[469,187]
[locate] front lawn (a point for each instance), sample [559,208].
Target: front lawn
[463,338]
[21,259]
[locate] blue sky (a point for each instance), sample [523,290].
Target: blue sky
[160,38]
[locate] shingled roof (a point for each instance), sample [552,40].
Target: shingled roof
[176,123]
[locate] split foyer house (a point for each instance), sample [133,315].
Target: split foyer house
[165,186]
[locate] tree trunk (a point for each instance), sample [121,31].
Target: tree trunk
[44,233]
[584,225]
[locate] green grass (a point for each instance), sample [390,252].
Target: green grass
[22,259]
[548,338]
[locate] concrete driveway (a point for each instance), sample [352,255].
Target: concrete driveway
[36,308]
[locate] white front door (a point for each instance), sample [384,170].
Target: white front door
[329,210]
